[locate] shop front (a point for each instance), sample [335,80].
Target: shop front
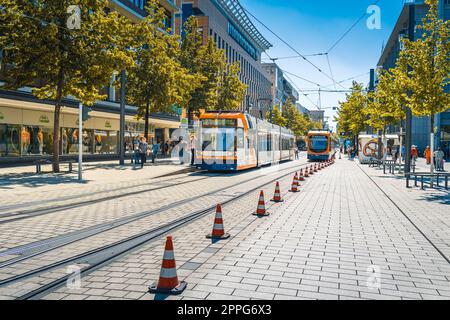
[26,132]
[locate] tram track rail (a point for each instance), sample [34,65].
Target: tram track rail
[31,213]
[100,256]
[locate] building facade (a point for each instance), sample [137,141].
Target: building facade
[226,22]
[289,92]
[277,79]
[420,125]
[26,123]
[317,115]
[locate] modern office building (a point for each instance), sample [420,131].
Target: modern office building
[289,92]
[26,123]
[302,109]
[317,115]
[282,89]
[420,126]
[226,22]
[277,79]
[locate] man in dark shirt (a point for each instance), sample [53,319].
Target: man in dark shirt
[143,150]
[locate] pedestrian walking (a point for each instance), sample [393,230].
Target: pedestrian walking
[414,154]
[427,154]
[297,156]
[143,146]
[181,146]
[155,150]
[193,144]
[439,156]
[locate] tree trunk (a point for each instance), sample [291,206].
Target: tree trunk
[190,117]
[147,115]
[380,144]
[56,142]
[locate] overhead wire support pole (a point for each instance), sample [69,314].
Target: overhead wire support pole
[80,142]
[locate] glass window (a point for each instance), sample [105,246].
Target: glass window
[218,139]
[88,141]
[318,143]
[69,140]
[240,138]
[36,141]
[9,140]
[106,142]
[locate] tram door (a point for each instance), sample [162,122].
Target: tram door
[241,148]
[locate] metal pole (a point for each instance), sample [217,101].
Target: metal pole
[80,143]
[122,117]
[408,124]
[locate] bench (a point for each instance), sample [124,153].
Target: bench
[392,166]
[41,162]
[431,176]
[375,163]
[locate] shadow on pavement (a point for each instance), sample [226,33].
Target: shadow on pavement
[32,180]
[442,198]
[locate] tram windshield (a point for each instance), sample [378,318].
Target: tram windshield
[218,139]
[318,143]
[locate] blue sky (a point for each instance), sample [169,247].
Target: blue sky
[312,26]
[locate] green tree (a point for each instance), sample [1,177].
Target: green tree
[231,90]
[44,52]
[352,115]
[296,121]
[386,104]
[426,66]
[205,62]
[157,81]
[277,117]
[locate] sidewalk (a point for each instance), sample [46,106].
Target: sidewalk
[23,184]
[341,237]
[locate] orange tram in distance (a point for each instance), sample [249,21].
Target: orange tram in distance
[234,141]
[319,145]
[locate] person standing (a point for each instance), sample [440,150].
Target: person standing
[439,160]
[427,154]
[181,146]
[143,146]
[296,153]
[193,145]
[414,154]
[155,150]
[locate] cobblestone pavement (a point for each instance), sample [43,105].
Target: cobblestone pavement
[341,237]
[21,186]
[57,223]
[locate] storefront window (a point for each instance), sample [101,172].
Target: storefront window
[9,140]
[69,139]
[88,141]
[106,142]
[132,140]
[36,141]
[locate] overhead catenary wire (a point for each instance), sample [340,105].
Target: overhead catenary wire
[289,46]
[349,30]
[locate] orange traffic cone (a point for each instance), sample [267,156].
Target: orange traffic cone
[261,210]
[301,177]
[218,232]
[168,280]
[315,168]
[277,195]
[295,185]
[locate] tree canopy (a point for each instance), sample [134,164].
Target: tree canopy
[46,50]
